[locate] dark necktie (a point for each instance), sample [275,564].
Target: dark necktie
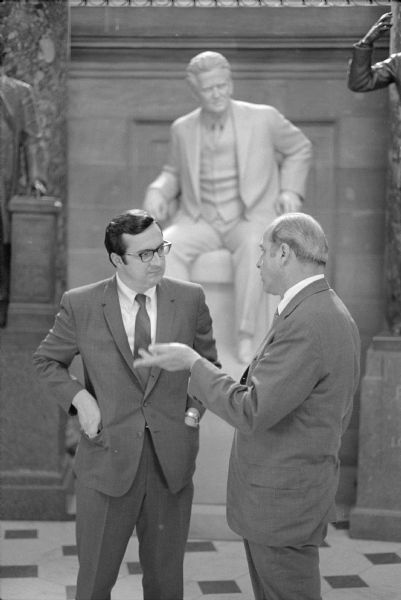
[142,336]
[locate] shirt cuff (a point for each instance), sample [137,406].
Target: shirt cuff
[362,44]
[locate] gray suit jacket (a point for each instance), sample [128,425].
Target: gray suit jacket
[272,155]
[289,411]
[90,324]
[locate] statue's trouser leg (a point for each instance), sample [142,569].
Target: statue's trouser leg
[5,259]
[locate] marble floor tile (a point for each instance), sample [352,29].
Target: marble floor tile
[31,589]
[39,562]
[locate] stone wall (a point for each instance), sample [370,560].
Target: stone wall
[37,45]
[34,468]
[125,86]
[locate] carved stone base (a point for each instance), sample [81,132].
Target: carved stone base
[376,524]
[377,514]
[33,262]
[35,471]
[36,495]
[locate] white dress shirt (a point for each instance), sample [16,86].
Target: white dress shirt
[129,308]
[293,291]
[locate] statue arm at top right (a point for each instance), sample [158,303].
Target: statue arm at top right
[362,75]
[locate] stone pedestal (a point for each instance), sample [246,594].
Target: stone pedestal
[377,514]
[34,467]
[33,262]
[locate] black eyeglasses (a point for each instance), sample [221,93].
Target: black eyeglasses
[147,255]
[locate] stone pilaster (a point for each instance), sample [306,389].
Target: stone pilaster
[377,514]
[34,468]
[393,207]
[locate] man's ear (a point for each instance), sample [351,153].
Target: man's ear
[115,259]
[285,251]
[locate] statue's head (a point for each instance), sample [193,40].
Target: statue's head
[209,75]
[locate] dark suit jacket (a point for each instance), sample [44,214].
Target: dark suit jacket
[365,77]
[289,415]
[90,324]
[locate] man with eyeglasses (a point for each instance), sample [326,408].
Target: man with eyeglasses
[136,455]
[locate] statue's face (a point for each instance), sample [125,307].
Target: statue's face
[214,90]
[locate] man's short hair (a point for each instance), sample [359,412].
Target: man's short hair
[303,234]
[132,222]
[203,62]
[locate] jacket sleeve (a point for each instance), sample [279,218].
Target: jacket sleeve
[364,77]
[168,181]
[204,342]
[295,150]
[271,394]
[54,356]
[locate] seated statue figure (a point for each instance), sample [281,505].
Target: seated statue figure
[232,167]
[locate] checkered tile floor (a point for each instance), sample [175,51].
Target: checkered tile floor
[38,562]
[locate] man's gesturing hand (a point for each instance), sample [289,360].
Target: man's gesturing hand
[172,357]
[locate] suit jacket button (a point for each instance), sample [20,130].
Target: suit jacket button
[139,434]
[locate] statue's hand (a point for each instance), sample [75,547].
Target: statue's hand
[38,188]
[288,201]
[156,204]
[379,28]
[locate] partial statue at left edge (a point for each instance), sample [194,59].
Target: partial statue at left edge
[21,162]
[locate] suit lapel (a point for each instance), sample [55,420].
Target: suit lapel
[166,310]
[112,314]
[315,287]
[246,377]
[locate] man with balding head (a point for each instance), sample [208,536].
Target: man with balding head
[232,167]
[289,410]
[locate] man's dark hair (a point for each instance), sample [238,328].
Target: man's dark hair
[132,222]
